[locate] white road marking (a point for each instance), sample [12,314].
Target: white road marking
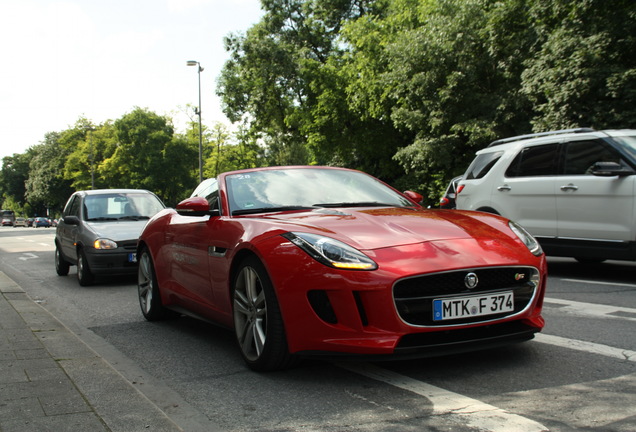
[590,347]
[485,417]
[599,282]
[28,256]
[464,410]
[591,309]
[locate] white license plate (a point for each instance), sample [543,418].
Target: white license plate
[132,257]
[472,306]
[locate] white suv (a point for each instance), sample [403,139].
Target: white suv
[574,190]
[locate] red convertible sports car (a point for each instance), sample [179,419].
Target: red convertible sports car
[309,261]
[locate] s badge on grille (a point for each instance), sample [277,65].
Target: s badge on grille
[471,280]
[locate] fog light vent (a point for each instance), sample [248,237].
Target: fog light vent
[322,306]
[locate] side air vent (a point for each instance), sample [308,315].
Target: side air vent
[322,306]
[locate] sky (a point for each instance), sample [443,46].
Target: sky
[61,60]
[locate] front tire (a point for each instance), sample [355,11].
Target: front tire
[258,323]
[61,265]
[148,290]
[84,274]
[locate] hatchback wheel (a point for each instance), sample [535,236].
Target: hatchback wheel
[84,274]
[61,265]
[258,324]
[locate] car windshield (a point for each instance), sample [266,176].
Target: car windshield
[305,188]
[121,206]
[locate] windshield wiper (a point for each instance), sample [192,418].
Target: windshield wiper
[101,219]
[270,209]
[136,217]
[355,204]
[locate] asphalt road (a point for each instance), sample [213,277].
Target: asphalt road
[579,374]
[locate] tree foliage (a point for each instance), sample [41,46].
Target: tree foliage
[584,71]
[46,187]
[406,90]
[425,83]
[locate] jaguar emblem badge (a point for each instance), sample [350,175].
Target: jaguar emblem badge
[471,280]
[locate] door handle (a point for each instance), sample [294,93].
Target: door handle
[504,187]
[569,187]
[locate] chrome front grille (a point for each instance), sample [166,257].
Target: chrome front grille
[414,296]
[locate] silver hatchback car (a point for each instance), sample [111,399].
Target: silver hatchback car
[98,231]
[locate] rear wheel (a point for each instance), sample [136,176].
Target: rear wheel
[258,324]
[61,265]
[84,274]
[148,290]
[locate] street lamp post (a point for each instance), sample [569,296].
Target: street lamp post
[198,112]
[89,131]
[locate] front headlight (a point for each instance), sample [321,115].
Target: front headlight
[331,252]
[527,239]
[104,244]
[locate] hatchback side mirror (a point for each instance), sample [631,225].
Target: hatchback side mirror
[610,169]
[71,220]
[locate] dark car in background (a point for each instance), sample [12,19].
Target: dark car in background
[41,222]
[448,200]
[98,231]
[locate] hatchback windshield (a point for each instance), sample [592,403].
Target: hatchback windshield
[116,206]
[298,188]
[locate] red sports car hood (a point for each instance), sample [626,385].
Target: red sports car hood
[385,227]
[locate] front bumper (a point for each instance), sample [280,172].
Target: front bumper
[111,262]
[355,312]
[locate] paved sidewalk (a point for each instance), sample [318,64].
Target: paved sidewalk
[51,381]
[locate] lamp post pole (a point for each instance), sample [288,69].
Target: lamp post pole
[198,112]
[89,132]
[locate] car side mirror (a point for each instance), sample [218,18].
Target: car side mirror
[414,196]
[610,169]
[71,220]
[196,206]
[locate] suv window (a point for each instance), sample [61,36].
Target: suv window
[580,156]
[481,165]
[534,161]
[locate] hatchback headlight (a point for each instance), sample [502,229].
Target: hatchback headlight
[331,252]
[527,239]
[104,244]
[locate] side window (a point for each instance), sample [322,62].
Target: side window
[209,189]
[481,165]
[580,156]
[72,209]
[534,161]
[213,199]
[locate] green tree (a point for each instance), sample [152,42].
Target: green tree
[148,155]
[14,174]
[283,79]
[584,73]
[46,188]
[232,151]
[446,72]
[88,146]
